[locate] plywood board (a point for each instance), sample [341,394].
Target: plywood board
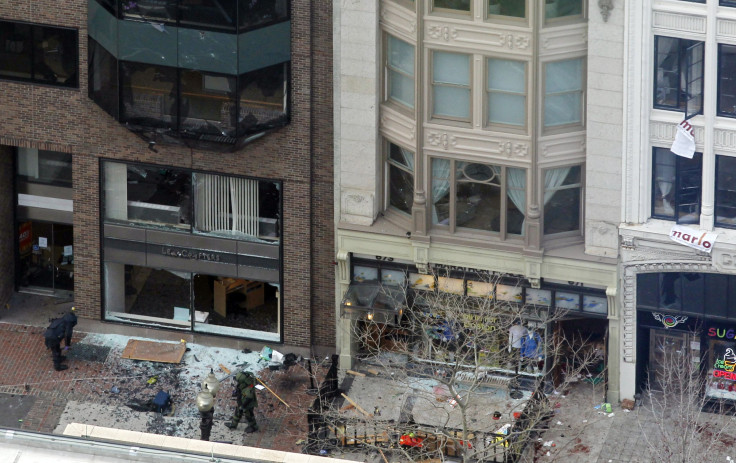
[165,352]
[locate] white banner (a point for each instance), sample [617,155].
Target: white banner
[696,239]
[684,144]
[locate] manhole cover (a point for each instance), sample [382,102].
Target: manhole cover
[88,352]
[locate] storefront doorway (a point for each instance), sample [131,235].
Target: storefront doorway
[662,345]
[46,258]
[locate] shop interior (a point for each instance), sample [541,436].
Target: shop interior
[583,344]
[152,294]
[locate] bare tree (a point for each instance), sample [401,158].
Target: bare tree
[686,412]
[467,371]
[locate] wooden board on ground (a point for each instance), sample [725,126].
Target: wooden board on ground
[165,352]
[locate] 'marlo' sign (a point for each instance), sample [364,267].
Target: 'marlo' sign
[697,239]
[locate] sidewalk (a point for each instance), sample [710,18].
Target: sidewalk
[35,397]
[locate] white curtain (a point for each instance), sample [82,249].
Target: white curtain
[226,204]
[440,183]
[552,180]
[515,188]
[665,176]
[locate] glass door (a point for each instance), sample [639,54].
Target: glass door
[46,257]
[663,345]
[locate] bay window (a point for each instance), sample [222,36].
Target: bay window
[509,8]
[400,173]
[478,196]
[563,93]
[451,85]
[461,6]
[400,72]
[562,200]
[506,88]
[676,186]
[554,9]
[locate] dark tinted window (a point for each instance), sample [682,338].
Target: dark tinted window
[207,103]
[727,80]
[257,13]
[103,78]
[149,10]
[41,54]
[47,167]
[149,95]
[726,191]
[262,98]
[208,14]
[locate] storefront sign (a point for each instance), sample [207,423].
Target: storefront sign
[724,367]
[696,239]
[669,321]
[721,333]
[190,254]
[25,238]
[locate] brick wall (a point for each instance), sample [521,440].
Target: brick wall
[7,237]
[300,155]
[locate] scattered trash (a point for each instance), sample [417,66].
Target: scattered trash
[585,421]
[376,411]
[610,415]
[277,356]
[115,390]
[559,423]
[548,454]
[597,407]
[267,351]
[195,358]
[627,411]
[152,380]
[323,452]
[247,351]
[20,421]
[549,443]
[300,441]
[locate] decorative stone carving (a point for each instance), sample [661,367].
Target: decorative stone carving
[606,6]
[629,299]
[511,41]
[627,242]
[444,32]
[441,139]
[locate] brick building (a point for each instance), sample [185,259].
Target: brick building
[163,161]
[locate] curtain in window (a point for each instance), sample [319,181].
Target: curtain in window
[515,189]
[440,183]
[553,179]
[665,177]
[226,204]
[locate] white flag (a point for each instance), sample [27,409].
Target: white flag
[684,144]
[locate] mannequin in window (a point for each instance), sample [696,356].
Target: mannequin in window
[532,349]
[517,332]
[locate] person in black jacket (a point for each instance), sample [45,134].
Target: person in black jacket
[60,329]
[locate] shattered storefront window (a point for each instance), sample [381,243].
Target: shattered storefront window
[167,298]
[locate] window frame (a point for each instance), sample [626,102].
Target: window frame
[679,171]
[487,92]
[719,112]
[583,94]
[452,226]
[719,158]
[388,164]
[581,199]
[682,60]
[432,116]
[451,11]
[504,18]
[560,20]
[35,29]
[388,68]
